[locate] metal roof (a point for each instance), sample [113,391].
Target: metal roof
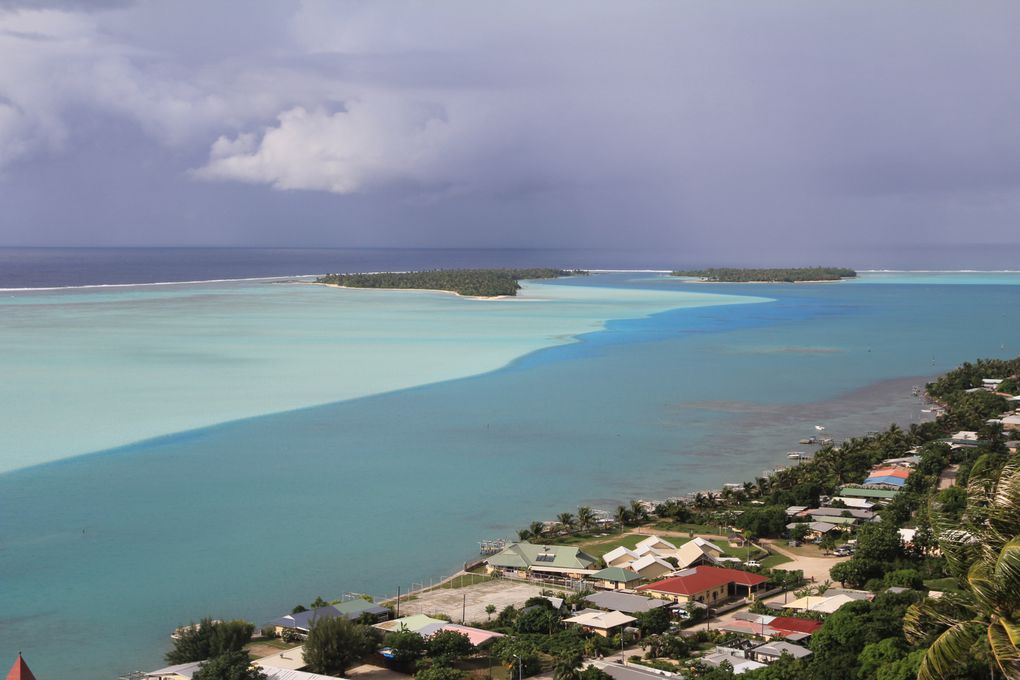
[625,602]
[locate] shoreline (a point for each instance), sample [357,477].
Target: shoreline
[413,290]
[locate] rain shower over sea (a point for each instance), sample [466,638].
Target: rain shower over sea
[232,448]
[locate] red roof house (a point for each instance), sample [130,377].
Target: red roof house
[706,584]
[20,670]
[789,624]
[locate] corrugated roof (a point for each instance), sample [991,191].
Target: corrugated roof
[868,493]
[601,620]
[779,648]
[524,555]
[412,623]
[185,670]
[887,479]
[700,579]
[648,560]
[618,574]
[653,541]
[795,625]
[625,602]
[617,553]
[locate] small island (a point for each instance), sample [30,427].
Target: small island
[468,282]
[788,275]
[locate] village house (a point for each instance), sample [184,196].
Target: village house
[651,567]
[814,529]
[877,493]
[698,551]
[601,623]
[524,558]
[772,651]
[619,557]
[736,658]
[615,578]
[353,610]
[628,603]
[706,584]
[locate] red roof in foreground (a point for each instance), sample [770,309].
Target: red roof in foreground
[704,578]
[20,670]
[791,624]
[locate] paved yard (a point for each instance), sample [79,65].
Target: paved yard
[370,672]
[449,601]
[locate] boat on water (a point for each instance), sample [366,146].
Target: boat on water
[797,455]
[809,440]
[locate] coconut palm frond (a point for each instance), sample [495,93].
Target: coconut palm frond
[1007,656]
[930,616]
[1012,629]
[1006,572]
[982,583]
[943,656]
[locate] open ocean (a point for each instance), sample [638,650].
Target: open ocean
[234,448]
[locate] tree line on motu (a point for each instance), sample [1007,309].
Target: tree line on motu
[967,545]
[473,282]
[788,275]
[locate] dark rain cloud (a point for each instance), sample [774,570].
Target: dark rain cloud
[686,126]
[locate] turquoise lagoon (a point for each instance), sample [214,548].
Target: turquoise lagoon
[365,440]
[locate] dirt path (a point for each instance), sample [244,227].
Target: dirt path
[948,476]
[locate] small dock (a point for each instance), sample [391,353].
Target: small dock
[491,547]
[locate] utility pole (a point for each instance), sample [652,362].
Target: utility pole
[463,610]
[398,602]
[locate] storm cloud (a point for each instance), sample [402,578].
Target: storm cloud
[679,125]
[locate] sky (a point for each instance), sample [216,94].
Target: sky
[712,126]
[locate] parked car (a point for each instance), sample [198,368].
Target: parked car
[754,564]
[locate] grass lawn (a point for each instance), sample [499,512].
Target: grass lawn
[774,560]
[267,646]
[464,580]
[711,529]
[598,546]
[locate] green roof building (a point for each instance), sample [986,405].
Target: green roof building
[614,578]
[861,492]
[553,559]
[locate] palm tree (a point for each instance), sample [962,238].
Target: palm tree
[585,517]
[566,519]
[523,534]
[638,512]
[567,665]
[622,515]
[984,545]
[537,529]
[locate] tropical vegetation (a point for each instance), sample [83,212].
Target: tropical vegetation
[207,639]
[472,282]
[786,275]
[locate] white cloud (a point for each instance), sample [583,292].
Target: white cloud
[374,141]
